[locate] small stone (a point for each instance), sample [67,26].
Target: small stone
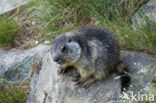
[47,42]
[36,42]
[33,23]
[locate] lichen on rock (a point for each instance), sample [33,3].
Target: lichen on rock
[48,86]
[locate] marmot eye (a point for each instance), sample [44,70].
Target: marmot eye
[69,39]
[63,48]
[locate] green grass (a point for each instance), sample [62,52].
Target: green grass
[58,16]
[13,94]
[8,31]
[137,39]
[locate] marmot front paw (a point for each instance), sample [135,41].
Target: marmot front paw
[61,70]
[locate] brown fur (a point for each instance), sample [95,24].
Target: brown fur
[93,51]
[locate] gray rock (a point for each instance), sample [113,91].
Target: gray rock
[142,69]
[49,87]
[145,15]
[17,66]
[8,5]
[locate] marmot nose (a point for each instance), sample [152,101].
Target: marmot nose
[57,60]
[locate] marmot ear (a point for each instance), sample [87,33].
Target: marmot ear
[69,39]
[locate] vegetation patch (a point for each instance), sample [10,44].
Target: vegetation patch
[41,20]
[54,17]
[8,31]
[13,94]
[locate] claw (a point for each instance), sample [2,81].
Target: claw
[81,81]
[88,82]
[61,70]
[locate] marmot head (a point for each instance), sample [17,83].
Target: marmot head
[66,49]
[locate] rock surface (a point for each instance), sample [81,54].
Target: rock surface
[49,87]
[8,5]
[17,66]
[145,15]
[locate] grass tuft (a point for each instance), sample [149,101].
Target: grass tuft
[58,16]
[13,94]
[8,31]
